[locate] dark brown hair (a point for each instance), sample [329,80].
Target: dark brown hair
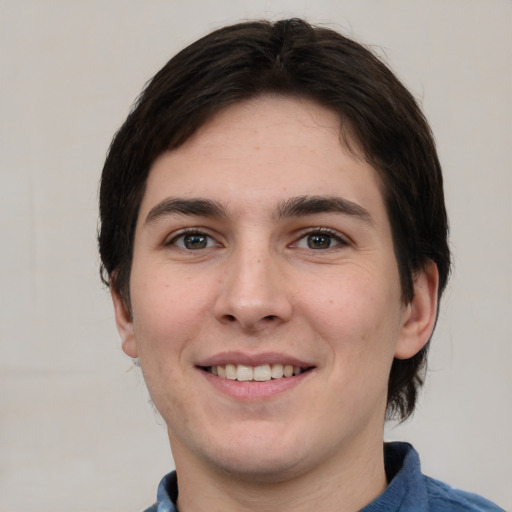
[290,57]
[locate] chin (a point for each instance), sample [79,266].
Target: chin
[256,459]
[258,470]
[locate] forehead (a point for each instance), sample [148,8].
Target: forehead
[261,151]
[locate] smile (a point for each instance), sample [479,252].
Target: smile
[261,373]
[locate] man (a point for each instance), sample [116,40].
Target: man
[274,235]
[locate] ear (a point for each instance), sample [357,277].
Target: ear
[419,316]
[124,323]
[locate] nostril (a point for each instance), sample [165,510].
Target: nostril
[270,317]
[231,318]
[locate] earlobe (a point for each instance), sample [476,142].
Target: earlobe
[419,316]
[124,323]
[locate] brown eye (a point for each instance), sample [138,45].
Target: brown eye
[319,241]
[194,241]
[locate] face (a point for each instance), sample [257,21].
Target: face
[265,297]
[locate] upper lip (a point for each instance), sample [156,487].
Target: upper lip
[223,358]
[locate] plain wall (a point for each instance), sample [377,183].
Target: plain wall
[76,431]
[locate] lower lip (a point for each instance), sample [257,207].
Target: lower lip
[253,390]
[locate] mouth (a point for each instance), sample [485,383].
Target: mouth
[260,373]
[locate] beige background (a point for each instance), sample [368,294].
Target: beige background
[76,431]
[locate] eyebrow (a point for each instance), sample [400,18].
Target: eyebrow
[294,207]
[311,205]
[195,206]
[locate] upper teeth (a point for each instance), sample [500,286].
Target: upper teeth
[261,373]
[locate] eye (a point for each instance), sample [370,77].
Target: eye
[319,240]
[193,241]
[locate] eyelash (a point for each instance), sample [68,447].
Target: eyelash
[320,231]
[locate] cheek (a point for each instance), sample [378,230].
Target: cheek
[165,320]
[166,313]
[358,313]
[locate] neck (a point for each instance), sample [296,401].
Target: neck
[342,484]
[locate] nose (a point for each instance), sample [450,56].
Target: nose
[253,293]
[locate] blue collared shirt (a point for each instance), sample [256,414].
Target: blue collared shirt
[408,490]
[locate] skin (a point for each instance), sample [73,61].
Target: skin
[251,281]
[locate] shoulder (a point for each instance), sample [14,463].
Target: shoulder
[409,490]
[441,496]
